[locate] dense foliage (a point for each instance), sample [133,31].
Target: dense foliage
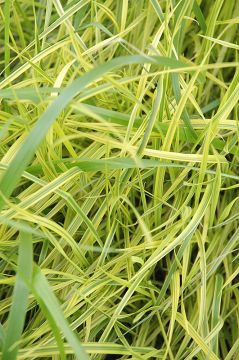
[119,179]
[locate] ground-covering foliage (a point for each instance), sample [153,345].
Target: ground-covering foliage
[119,179]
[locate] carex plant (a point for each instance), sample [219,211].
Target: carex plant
[119,179]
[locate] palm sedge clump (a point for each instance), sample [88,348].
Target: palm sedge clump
[119,179]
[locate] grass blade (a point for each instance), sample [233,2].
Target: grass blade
[20,298]
[43,292]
